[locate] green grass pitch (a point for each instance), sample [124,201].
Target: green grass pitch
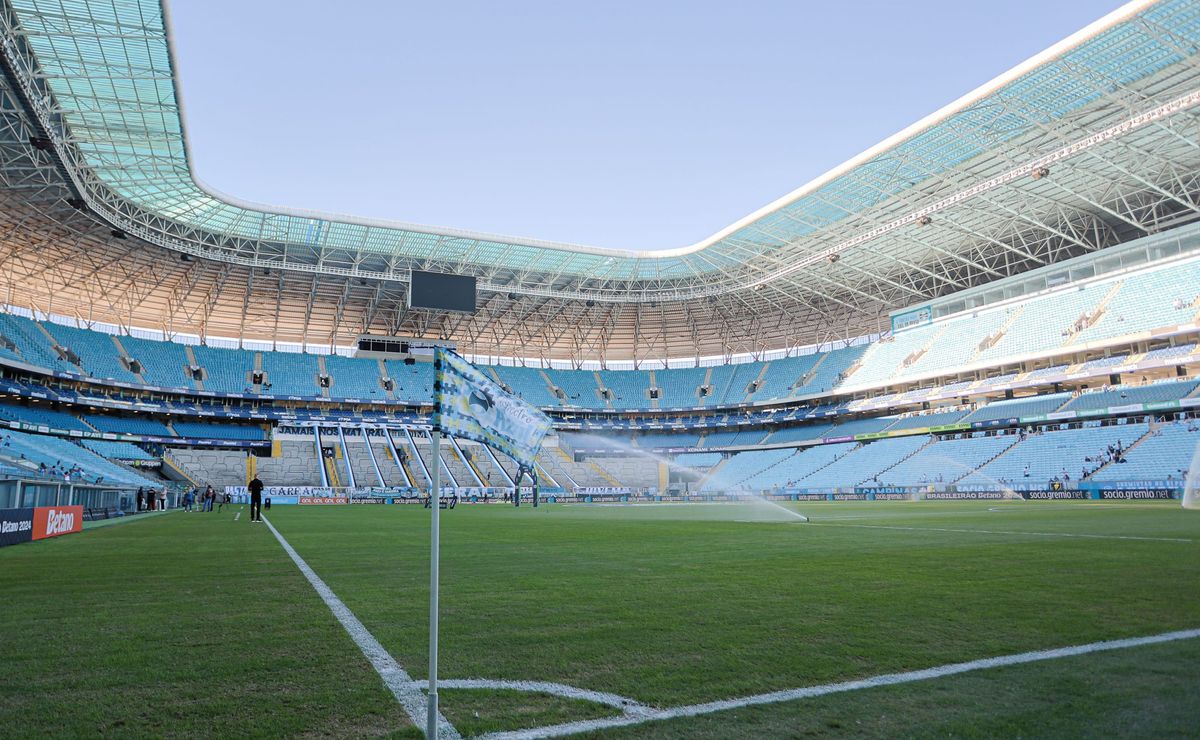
[194,624]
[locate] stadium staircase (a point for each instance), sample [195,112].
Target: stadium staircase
[258,369]
[331,470]
[807,377]
[74,366]
[915,356]
[932,440]
[127,359]
[1151,429]
[176,470]
[756,382]
[323,370]
[606,397]
[1091,318]
[653,381]
[191,358]
[992,339]
[987,462]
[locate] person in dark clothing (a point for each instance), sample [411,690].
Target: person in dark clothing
[256,489]
[141,499]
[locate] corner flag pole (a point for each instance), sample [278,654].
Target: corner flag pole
[435,501]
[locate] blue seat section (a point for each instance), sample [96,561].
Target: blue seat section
[204,430]
[163,363]
[719,381]
[733,474]
[1153,300]
[23,450]
[35,347]
[1015,408]
[793,471]
[1046,322]
[668,439]
[630,388]
[864,463]
[1125,395]
[528,383]
[958,341]
[735,386]
[679,387]
[801,433]
[1164,353]
[354,377]
[830,371]
[1168,451]
[49,417]
[936,419]
[781,375]
[97,354]
[116,450]
[579,386]
[413,383]
[698,460]
[733,438]
[946,460]
[1049,453]
[225,370]
[128,425]
[291,374]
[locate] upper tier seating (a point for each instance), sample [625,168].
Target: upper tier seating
[920,421]
[528,383]
[116,450]
[630,389]
[698,460]
[1048,454]
[354,378]
[579,386]
[781,375]
[225,370]
[291,374]
[163,363]
[34,346]
[412,383]
[98,356]
[679,387]
[741,466]
[653,440]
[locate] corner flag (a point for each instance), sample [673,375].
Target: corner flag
[468,404]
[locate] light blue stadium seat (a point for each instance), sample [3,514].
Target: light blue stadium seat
[225,370]
[946,460]
[33,345]
[792,471]
[630,388]
[116,450]
[1167,452]
[291,374]
[128,425]
[354,377]
[97,354]
[528,384]
[205,430]
[163,363]
[679,387]
[1015,408]
[1050,453]
[864,463]
[413,383]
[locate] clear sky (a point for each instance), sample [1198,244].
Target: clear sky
[640,124]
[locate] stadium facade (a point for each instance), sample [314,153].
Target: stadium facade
[1026,258]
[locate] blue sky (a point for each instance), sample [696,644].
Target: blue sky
[637,125]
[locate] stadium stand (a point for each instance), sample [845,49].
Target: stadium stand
[32,343]
[579,386]
[354,377]
[225,370]
[29,450]
[412,383]
[48,417]
[865,462]
[733,473]
[128,425]
[528,383]
[1042,456]
[163,363]
[116,450]
[203,430]
[290,374]
[796,469]
[97,353]
[1124,395]
[629,388]
[946,460]
[1015,408]
[1166,452]
[680,387]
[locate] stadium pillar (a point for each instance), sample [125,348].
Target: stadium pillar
[435,505]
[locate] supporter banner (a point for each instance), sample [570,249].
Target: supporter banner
[16,526]
[1137,493]
[52,521]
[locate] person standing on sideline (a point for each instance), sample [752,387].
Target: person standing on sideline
[226,499]
[256,489]
[141,495]
[162,500]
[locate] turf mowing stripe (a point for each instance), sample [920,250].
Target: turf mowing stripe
[1000,531]
[809,692]
[402,686]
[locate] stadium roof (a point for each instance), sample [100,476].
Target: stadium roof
[1089,143]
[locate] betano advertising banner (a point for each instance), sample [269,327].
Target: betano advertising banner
[39,523]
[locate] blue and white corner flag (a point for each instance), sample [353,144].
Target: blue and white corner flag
[468,404]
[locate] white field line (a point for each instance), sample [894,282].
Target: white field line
[402,686]
[629,706]
[1014,532]
[237,516]
[809,692]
